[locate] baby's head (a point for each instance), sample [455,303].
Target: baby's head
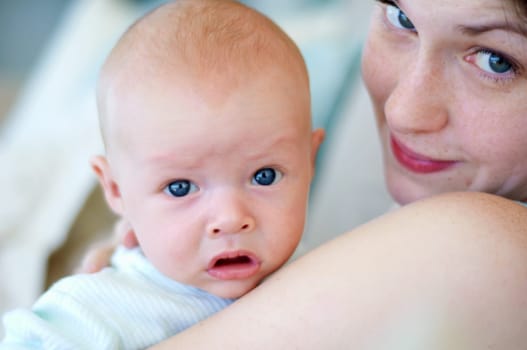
[205,114]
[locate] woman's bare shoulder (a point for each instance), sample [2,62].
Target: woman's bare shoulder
[480,213]
[444,272]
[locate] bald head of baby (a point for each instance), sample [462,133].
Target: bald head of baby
[219,45]
[207,96]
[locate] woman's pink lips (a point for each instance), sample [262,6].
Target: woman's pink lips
[416,162]
[233,265]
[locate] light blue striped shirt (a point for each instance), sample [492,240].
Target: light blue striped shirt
[130,305]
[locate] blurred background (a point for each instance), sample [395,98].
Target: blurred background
[51,208]
[25,26]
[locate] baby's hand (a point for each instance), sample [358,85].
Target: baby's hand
[99,255]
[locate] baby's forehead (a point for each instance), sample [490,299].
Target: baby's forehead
[218,134]
[186,103]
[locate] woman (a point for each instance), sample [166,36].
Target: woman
[448,82]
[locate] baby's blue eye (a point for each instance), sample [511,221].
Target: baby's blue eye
[398,18]
[492,62]
[266,177]
[180,188]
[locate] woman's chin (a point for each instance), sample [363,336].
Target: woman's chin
[404,191]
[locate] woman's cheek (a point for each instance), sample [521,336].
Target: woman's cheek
[376,72]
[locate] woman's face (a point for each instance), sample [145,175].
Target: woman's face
[448,82]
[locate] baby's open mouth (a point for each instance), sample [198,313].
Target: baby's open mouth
[239,260]
[233,265]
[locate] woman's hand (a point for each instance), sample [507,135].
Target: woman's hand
[98,256]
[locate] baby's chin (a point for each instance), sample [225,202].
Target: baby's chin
[232,289]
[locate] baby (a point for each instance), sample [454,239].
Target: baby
[204,109]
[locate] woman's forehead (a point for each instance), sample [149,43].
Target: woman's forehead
[466,10]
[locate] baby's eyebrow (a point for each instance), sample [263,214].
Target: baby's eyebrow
[188,162]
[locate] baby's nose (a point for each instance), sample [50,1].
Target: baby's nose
[231,217]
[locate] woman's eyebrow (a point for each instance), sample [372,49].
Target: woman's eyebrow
[477,29]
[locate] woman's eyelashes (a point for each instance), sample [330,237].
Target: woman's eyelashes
[180,188]
[266,176]
[494,65]
[398,18]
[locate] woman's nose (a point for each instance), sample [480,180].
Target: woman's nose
[419,101]
[230,215]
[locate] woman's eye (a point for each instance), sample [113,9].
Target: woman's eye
[266,177]
[398,18]
[180,188]
[492,62]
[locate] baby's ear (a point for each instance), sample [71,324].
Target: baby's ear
[112,194]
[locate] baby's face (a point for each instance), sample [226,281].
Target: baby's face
[215,179]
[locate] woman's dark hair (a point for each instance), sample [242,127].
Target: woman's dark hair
[521,11]
[521,7]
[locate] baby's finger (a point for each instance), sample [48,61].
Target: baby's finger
[124,234]
[129,239]
[96,259]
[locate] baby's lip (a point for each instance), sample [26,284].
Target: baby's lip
[233,265]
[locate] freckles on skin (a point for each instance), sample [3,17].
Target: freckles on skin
[485,125]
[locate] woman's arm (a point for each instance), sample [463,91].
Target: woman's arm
[444,273]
